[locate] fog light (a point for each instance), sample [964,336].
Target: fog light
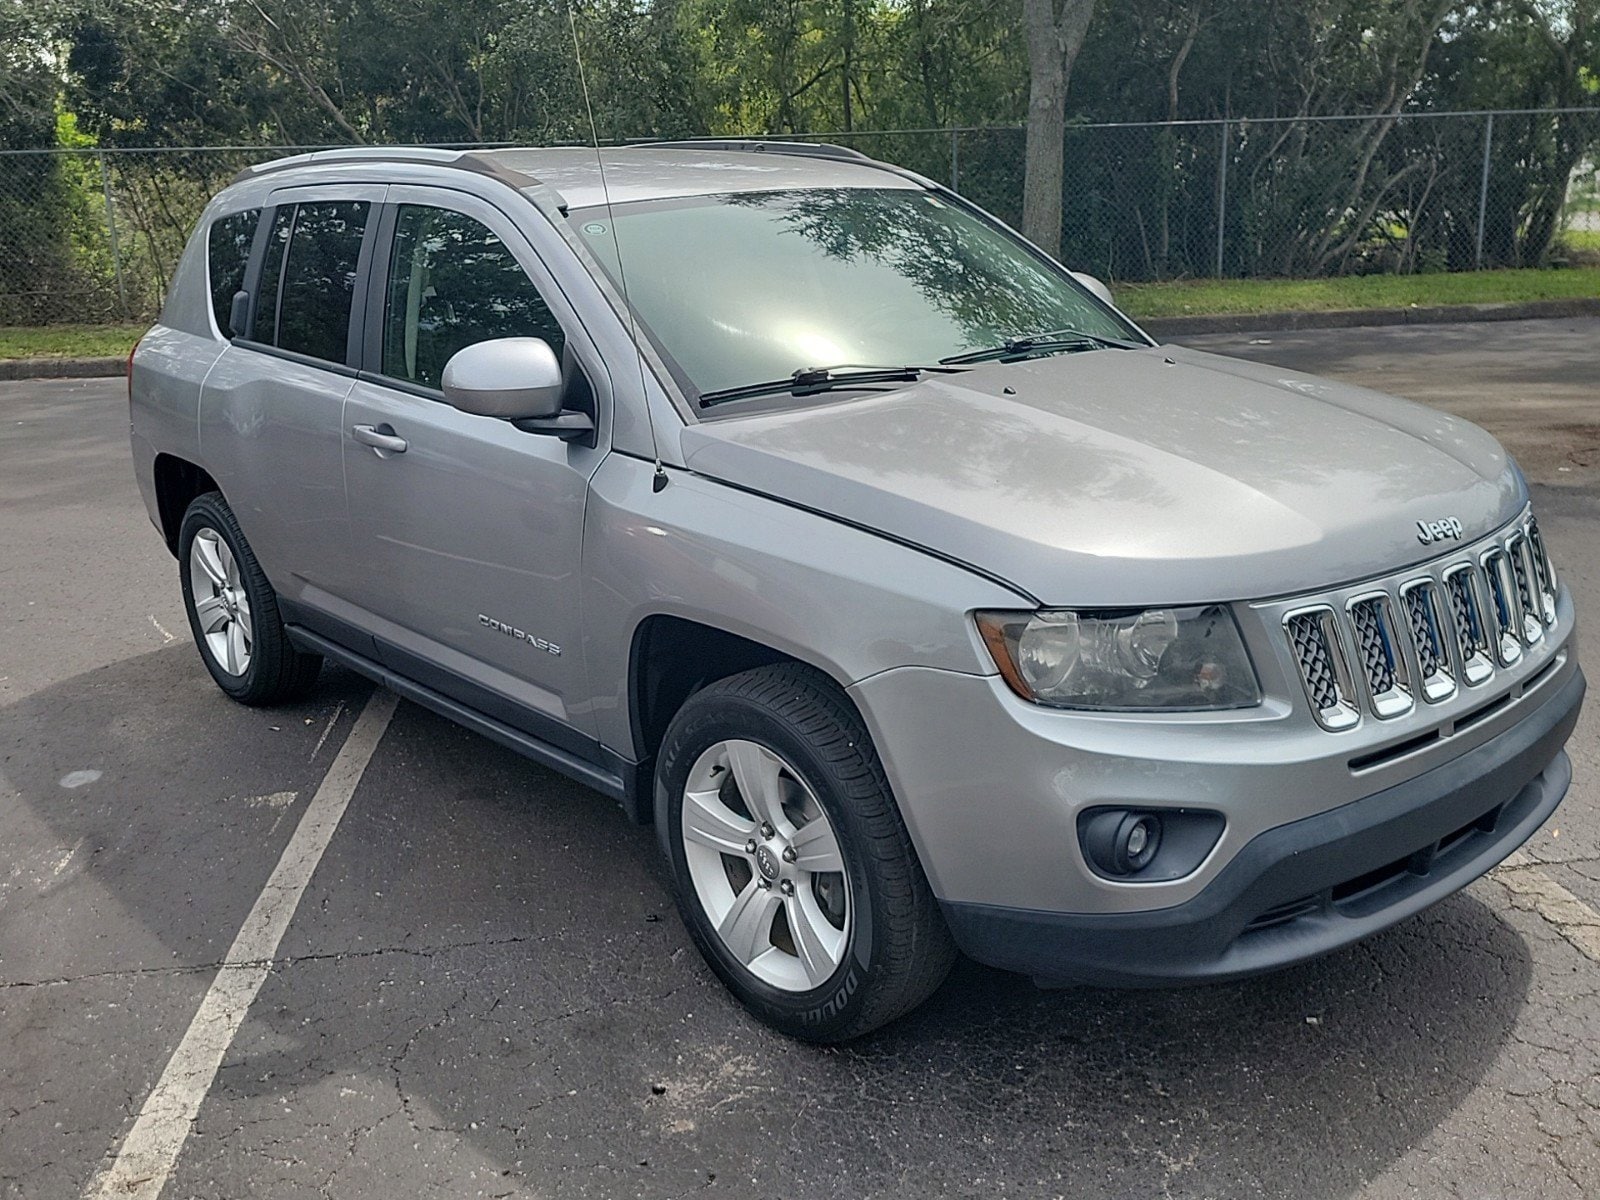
[1119,842]
[1147,845]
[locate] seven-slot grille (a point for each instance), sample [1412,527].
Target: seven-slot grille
[1425,636]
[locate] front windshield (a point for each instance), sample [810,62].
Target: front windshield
[743,288]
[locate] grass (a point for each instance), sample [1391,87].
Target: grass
[1247,296]
[68,341]
[1582,241]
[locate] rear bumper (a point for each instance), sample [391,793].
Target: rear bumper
[1314,885]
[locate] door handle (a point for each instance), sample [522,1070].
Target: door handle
[379,437]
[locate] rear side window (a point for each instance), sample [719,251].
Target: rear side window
[453,283]
[228,253]
[319,278]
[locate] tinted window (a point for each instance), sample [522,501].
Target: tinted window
[453,283]
[264,325]
[320,278]
[229,253]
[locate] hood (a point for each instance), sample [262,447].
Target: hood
[1126,478]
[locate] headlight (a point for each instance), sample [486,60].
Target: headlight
[1156,658]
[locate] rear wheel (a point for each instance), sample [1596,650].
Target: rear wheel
[793,870]
[233,611]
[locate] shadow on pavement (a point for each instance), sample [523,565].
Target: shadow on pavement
[486,987]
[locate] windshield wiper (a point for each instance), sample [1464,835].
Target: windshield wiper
[809,381]
[1042,343]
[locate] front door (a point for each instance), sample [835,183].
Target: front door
[468,532]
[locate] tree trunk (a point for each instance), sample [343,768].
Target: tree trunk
[930,92]
[1055,31]
[849,49]
[1167,142]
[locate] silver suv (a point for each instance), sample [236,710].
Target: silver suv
[919,599]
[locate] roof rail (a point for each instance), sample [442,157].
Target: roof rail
[761,146]
[463,160]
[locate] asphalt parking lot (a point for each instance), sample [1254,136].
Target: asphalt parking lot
[484,989]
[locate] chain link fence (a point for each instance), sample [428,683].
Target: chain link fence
[93,235]
[1294,198]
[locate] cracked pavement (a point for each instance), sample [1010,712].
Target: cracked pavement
[485,990]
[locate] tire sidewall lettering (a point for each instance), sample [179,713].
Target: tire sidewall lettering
[834,1007]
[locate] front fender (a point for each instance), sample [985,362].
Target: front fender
[842,599]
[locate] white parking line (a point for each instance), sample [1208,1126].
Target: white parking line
[327,729]
[150,1150]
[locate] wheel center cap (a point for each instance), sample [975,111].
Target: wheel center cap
[767,862]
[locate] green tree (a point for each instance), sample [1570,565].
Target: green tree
[39,277]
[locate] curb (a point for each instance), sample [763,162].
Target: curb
[63,368]
[1531,310]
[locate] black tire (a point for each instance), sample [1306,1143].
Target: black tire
[276,671]
[898,950]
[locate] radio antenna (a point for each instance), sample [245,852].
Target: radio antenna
[659,480]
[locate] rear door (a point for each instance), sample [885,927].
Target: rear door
[271,409]
[470,537]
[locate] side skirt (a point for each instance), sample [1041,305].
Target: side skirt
[621,779]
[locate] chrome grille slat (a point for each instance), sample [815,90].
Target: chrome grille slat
[1376,655]
[1316,661]
[1522,572]
[1464,610]
[1504,614]
[1316,644]
[1385,671]
[1471,625]
[1545,570]
[1435,669]
[1423,633]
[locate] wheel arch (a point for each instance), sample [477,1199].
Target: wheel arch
[671,658]
[178,482]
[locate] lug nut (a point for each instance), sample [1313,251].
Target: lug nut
[787,887]
[763,884]
[750,846]
[788,854]
[766,830]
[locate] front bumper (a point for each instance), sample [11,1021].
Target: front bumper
[1310,886]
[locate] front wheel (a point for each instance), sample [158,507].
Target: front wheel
[792,868]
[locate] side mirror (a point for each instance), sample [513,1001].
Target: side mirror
[1100,290]
[515,379]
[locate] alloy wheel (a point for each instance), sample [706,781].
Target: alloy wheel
[766,865]
[221,604]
